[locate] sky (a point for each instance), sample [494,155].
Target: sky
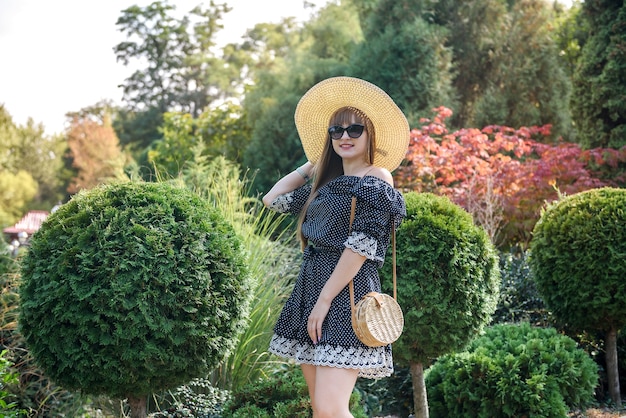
[56,56]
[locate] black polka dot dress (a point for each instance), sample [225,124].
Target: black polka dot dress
[378,207]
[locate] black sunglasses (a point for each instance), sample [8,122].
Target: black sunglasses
[354,131]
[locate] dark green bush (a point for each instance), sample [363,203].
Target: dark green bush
[131,288]
[281,395]
[512,371]
[519,299]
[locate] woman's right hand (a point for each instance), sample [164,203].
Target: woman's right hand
[316,319]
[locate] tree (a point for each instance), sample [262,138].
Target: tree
[577,259]
[407,57]
[183,73]
[270,104]
[572,31]
[449,283]
[132,288]
[18,189]
[474,36]
[219,131]
[527,84]
[94,150]
[598,104]
[30,165]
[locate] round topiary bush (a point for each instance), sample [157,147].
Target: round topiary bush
[448,278]
[131,288]
[512,371]
[448,283]
[578,259]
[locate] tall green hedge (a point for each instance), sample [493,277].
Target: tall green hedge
[131,288]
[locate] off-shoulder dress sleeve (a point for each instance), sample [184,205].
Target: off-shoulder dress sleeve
[293,201]
[378,207]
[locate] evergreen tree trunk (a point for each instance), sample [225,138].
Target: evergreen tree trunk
[612,371]
[137,407]
[420,399]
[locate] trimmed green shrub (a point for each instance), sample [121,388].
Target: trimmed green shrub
[512,371]
[578,259]
[448,283]
[132,288]
[448,278]
[281,395]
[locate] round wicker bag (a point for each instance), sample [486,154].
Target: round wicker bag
[377,319]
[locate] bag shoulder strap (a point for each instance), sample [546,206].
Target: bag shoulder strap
[393,257]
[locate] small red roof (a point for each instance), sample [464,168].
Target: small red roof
[30,223]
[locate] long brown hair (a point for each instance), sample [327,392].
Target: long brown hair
[330,165]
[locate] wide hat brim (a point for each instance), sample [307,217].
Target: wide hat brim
[323,99]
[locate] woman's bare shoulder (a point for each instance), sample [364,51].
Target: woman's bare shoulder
[381,173]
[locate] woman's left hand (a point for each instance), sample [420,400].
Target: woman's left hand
[316,319]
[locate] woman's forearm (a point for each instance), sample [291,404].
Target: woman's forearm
[348,266]
[289,182]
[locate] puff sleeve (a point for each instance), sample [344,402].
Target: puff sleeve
[293,201]
[378,207]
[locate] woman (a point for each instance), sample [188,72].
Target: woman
[353,135]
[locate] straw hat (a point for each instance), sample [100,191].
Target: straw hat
[323,99]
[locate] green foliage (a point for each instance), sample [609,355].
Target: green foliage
[131,288]
[197,398]
[8,408]
[282,395]
[18,189]
[577,259]
[303,58]
[526,84]
[448,278]
[519,299]
[30,163]
[272,265]
[598,104]
[572,31]
[216,132]
[512,371]
[274,146]
[407,58]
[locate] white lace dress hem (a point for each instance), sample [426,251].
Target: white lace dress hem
[372,363]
